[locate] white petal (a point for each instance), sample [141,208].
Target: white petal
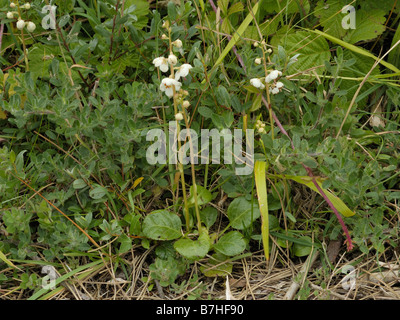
[164,67]
[279,85]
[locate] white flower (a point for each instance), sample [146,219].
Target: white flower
[272,75]
[12,5]
[161,63]
[20,24]
[31,26]
[10,15]
[257,61]
[172,59]
[255,82]
[261,130]
[268,51]
[27,6]
[183,71]
[179,116]
[185,104]
[279,85]
[167,86]
[177,43]
[274,90]
[164,36]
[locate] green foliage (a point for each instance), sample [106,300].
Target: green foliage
[77,103]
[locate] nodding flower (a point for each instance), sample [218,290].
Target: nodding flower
[177,43]
[179,116]
[255,82]
[31,26]
[20,24]
[273,75]
[172,59]
[183,71]
[161,63]
[167,86]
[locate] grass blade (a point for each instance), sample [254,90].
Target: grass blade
[337,202]
[4,259]
[261,186]
[356,49]
[235,38]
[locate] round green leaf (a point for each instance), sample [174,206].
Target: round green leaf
[193,249]
[79,184]
[208,215]
[98,192]
[162,225]
[231,244]
[240,213]
[300,249]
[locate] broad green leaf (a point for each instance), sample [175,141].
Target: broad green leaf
[162,225]
[97,192]
[236,7]
[313,50]
[369,24]
[141,12]
[339,204]
[204,196]
[79,184]
[300,249]
[231,244]
[193,249]
[261,186]
[242,213]
[223,96]
[208,215]
[172,10]
[205,112]
[330,17]
[125,243]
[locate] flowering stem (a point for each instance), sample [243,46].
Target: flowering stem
[23,40]
[193,173]
[178,129]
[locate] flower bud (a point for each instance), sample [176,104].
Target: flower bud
[257,61]
[27,6]
[20,24]
[177,43]
[10,15]
[179,116]
[31,26]
[172,59]
[12,5]
[185,104]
